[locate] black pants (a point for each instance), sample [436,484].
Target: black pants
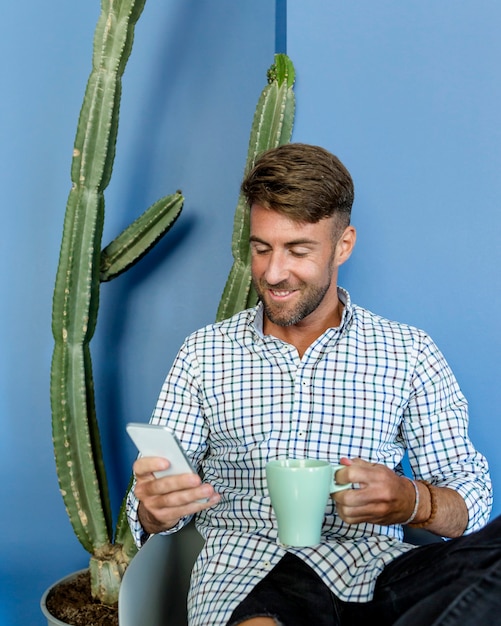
[454,583]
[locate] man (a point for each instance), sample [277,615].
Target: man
[308,374]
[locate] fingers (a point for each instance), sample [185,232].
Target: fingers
[356,471]
[164,501]
[145,466]
[380,496]
[166,509]
[362,472]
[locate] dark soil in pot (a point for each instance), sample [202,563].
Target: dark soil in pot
[71,602]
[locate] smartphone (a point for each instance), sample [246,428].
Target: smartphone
[155,440]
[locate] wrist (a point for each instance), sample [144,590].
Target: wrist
[151,525]
[416,500]
[428,509]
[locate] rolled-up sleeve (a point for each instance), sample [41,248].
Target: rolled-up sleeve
[436,431]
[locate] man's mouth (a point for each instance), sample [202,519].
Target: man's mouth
[281,293]
[278,292]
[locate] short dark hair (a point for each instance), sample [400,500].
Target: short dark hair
[304,182]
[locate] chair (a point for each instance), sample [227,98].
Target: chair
[155,585]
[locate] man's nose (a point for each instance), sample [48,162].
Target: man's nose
[276,270]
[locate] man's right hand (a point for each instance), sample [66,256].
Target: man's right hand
[164,501]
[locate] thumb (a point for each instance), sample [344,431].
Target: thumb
[345,461]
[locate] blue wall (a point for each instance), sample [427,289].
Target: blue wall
[407,94]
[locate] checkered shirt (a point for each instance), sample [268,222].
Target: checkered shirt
[370,388]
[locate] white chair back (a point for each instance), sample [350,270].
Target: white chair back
[155,585]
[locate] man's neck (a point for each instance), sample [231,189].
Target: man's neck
[308,330]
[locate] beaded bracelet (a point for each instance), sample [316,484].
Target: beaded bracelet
[416,503]
[433,507]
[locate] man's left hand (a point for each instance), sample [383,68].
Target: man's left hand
[381,496]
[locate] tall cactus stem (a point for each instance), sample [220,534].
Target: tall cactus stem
[271,127]
[77,447]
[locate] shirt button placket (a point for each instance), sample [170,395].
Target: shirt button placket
[301,413]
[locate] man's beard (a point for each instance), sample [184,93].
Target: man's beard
[283,315]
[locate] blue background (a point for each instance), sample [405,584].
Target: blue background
[406,94]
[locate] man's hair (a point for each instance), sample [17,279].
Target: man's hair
[303,182]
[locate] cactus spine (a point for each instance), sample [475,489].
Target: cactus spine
[81,268]
[271,127]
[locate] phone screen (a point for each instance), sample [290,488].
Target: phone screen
[155,440]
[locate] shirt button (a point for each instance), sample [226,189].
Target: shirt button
[266,565]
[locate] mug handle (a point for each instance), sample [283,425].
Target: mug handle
[334,485]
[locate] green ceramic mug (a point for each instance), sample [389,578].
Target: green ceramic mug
[299,489]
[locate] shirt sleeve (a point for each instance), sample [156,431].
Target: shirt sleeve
[436,433]
[179,408]
[138,533]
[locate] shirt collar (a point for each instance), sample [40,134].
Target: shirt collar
[256,322]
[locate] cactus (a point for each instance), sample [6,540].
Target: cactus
[271,127]
[82,266]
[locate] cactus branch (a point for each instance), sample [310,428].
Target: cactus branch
[138,238]
[271,127]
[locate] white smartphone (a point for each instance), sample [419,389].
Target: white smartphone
[155,440]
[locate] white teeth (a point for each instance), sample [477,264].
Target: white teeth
[281,293]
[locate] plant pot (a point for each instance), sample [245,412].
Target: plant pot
[51,620]
[78,614]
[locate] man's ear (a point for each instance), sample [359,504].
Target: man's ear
[345,244]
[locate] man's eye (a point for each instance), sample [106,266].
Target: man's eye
[260,250]
[298,252]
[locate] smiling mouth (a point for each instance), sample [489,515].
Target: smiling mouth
[277,292]
[281,293]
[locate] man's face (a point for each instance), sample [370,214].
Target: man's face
[293,265]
